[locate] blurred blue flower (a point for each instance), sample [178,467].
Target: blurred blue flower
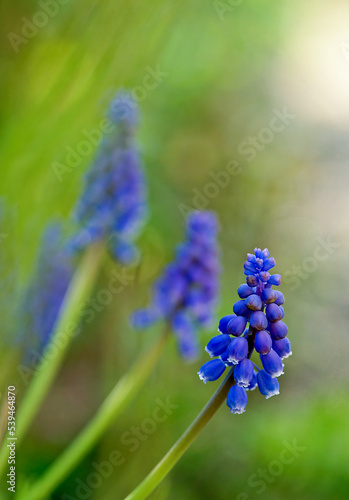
[113,205]
[186,293]
[260,310]
[44,296]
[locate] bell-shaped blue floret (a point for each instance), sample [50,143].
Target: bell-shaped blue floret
[237,399]
[272,363]
[217,345]
[243,373]
[211,370]
[267,385]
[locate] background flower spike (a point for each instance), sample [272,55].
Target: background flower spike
[113,205]
[185,295]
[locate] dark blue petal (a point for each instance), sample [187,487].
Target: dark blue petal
[217,345]
[243,373]
[280,299]
[237,399]
[264,276]
[282,347]
[236,351]
[272,363]
[244,291]
[275,279]
[211,370]
[240,308]
[263,342]
[252,281]
[269,295]
[267,385]
[253,383]
[258,320]
[236,326]
[254,302]
[223,323]
[274,312]
[269,264]
[278,330]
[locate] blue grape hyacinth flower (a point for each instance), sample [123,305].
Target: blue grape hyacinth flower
[44,296]
[256,325]
[113,205]
[185,295]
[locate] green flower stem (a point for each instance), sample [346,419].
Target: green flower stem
[178,449]
[64,331]
[123,392]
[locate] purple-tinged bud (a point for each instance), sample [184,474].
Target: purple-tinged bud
[258,320]
[269,295]
[278,330]
[280,299]
[251,258]
[267,385]
[273,312]
[223,323]
[272,363]
[250,268]
[282,347]
[244,291]
[264,276]
[268,264]
[282,311]
[253,383]
[263,342]
[211,370]
[237,399]
[217,345]
[240,308]
[236,351]
[243,373]
[254,302]
[252,280]
[265,253]
[275,279]
[237,325]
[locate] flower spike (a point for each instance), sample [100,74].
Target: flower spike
[260,310]
[185,294]
[113,206]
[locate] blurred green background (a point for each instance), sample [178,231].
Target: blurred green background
[226,68]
